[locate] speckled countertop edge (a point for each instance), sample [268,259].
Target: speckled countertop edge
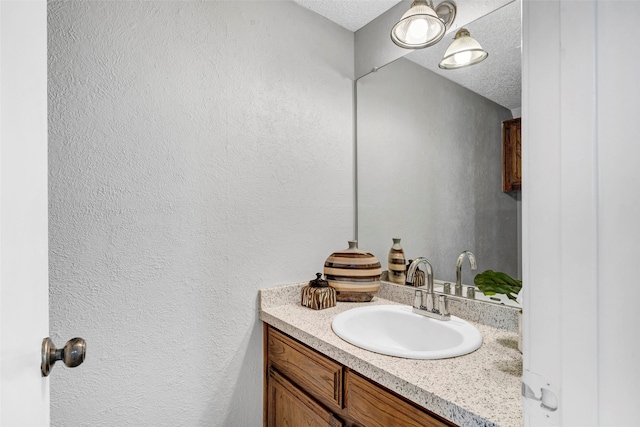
[478,389]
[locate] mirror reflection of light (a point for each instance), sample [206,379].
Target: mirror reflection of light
[462,52]
[462,57]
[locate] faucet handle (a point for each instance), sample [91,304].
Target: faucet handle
[417,298]
[471,292]
[443,305]
[458,289]
[425,306]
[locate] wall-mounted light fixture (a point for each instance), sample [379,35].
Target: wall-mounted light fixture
[422,25]
[462,52]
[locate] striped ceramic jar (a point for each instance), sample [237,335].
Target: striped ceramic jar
[397,263]
[354,274]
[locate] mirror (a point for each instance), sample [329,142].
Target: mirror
[429,167]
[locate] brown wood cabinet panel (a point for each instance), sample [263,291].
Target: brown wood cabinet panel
[314,373]
[305,388]
[511,155]
[291,407]
[373,406]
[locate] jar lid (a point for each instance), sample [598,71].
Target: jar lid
[318,282]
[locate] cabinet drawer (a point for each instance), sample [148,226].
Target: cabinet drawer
[373,406]
[317,375]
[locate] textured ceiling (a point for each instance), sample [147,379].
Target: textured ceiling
[498,78]
[350,14]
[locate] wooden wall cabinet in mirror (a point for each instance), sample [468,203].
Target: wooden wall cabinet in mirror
[511,155]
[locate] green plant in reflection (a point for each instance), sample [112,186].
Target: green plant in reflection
[495,282]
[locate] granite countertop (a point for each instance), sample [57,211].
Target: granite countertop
[478,389]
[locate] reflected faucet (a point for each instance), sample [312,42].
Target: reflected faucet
[425,300]
[474,266]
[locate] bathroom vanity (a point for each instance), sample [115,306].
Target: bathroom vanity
[323,392]
[312,377]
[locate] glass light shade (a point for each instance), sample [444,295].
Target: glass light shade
[418,28]
[462,52]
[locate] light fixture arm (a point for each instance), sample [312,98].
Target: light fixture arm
[446,11]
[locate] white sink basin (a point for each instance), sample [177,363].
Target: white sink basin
[395,330]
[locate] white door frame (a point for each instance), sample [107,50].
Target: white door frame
[581,207]
[24,282]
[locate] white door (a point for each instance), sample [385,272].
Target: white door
[581,206]
[24,308]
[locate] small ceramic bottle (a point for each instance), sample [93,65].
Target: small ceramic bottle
[397,263]
[318,294]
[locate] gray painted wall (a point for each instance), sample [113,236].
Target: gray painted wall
[429,172]
[198,151]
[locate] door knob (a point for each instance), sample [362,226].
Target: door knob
[72,354]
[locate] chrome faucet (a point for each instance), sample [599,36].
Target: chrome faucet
[472,261]
[425,302]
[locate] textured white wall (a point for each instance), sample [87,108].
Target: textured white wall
[430,172]
[198,151]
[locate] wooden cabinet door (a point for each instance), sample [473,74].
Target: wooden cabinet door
[373,406]
[289,406]
[511,155]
